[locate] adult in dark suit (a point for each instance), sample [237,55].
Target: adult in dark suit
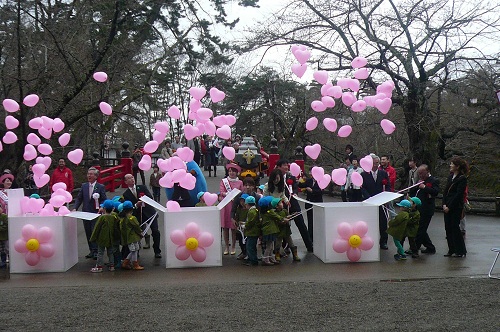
[375,182]
[142,211]
[291,187]
[313,194]
[427,193]
[90,198]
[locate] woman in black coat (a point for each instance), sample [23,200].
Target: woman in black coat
[453,204]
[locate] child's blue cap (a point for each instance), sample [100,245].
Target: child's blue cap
[116,198]
[275,202]
[120,207]
[108,204]
[265,201]
[117,204]
[128,205]
[416,200]
[262,187]
[250,200]
[404,203]
[201,193]
[244,196]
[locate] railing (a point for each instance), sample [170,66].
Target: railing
[112,177]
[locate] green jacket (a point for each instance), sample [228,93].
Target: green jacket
[270,220]
[106,231]
[130,230]
[285,229]
[4,227]
[397,226]
[412,227]
[252,224]
[240,214]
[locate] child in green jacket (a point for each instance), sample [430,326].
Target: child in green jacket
[270,229]
[285,230]
[105,232]
[131,234]
[397,228]
[252,231]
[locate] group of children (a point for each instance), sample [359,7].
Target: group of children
[405,225]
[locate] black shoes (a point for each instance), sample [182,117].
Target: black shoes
[158,255]
[89,255]
[429,251]
[384,247]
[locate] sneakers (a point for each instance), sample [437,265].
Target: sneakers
[409,252]
[241,256]
[400,257]
[96,269]
[111,268]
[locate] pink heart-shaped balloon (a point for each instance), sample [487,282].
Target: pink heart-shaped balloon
[46,161]
[190,131]
[366,163]
[230,120]
[328,101]
[173,206]
[210,199]
[64,139]
[41,181]
[204,114]
[356,179]
[386,88]
[33,139]
[302,56]
[295,169]
[9,137]
[100,76]
[318,106]
[38,170]
[58,125]
[370,100]
[47,122]
[219,120]
[358,106]
[193,116]
[10,105]
[166,180]
[35,123]
[185,153]
[317,173]
[342,82]
[299,70]
[151,147]
[330,124]
[210,128]
[75,156]
[362,73]
[29,152]
[31,100]
[105,108]
[358,62]
[188,181]
[313,151]
[162,126]
[324,89]
[45,133]
[324,181]
[224,132]
[145,163]
[11,122]
[177,163]
[25,204]
[339,176]
[311,123]
[59,186]
[348,98]
[383,105]
[216,95]
[159,136]
[344,131]
[174,112]
[353,84]
[229,152]
[57,201]
[45,149]
[321,76]
[388,126]
[335,91]
[197,93]
[63,210]
[194,105]
[1,146]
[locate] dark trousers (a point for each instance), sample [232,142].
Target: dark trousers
[251,244]
[301,225]
[422,235]
[243,246]
[155,234]
[310,218]
[156,193]
[343,195]
[355,195]
[89,225]
[382,225]
[134,171]
[454,237]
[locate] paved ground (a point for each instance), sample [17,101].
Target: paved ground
[432,293]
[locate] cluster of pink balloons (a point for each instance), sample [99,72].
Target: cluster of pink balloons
[58,199]
[191,242]
[35,243]
[302,54]
[352,240]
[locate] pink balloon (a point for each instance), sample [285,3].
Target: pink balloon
[197,93]
[354,254]
[162,126]
[194,105]
[340,245]
[105,108]
[57,201]
[100,76]
[188,181]
[63,210]
[302,56]
[230,120]
[229,152]
[36,204]
[330,124]
[145,163]
[358,62]
[11,122]
[33,139]
[359,106]
[313,151]
[362,73]
[174,112]
[318,106]
[32,258]
[366,163]
[295,169]
[47,211]
[366,243]
[199,254]
[383,105]
[348,98]
[325,181]
[42,180]
[317,173]
[10,105]
[224,132]
[64,139]
[206,239]
[219,120]
[38,169]
[339,176]
[177,163]
[20,246]
[299,69]
[178,175]
[356,179]
[353,84]
[31,100]
[25,201]
[388,126]
[210,128]
[370,100]
[182,253]
[46,250]
[325,87]
[311,123]
[151,147]
[35,123]
[185,153]
[210,199]
[178,237]
[48,123]
[344,131]
[44,234]
[159,136]
[29,152]
[173,206]
[342,82]
[45,149]
[205,114]
[328,101]
[45,133]
[386,88]
[216,95]
[59,186]
[192,230]
[29,232]
[295,48]
[75,156]
[335,91]
[360,228]
[9,138]
[321,76]
[166,180]
[58,125]
[190,131]
[1,146]
[345,230]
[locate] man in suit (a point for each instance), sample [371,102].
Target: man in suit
[291,186]
[142,211]
[90,197]
[313,194]
[375,182]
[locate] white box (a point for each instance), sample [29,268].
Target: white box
[208,220]
[328,216]
[64,239]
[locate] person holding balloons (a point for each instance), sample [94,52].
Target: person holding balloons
[353,191]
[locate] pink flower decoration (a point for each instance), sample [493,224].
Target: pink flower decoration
[34,243]
[352,240]
[191,242]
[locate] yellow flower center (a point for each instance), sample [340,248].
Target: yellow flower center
[32,245]
[355,241]
[191,243]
